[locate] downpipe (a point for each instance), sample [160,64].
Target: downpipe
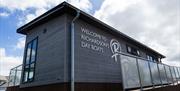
[72,49]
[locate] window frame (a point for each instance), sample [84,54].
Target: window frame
[152,58]
[27,67]
[133,51]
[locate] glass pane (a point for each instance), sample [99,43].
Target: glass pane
[176,71]
[179,73]
[129,72]
[173,74]
[155,73]
[144,72]
[162,73]
[28,52]
[12,77]
[31,72]
[31,75]
[18,77]
[169,77]
[25,75]
[33,52]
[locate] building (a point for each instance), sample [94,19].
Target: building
[67,50]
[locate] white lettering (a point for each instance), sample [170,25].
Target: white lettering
[90,46]
[93,41]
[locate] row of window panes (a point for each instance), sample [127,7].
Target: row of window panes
[150,58]
[136,52]
[133,51]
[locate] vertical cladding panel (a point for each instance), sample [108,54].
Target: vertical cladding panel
[93,55]
[50,53]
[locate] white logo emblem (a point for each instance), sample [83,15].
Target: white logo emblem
[115,48]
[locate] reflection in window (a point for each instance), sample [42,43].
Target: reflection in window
[133,51]
[151,58]
[28,53]
[30,58]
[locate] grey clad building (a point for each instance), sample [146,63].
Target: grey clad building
[69,50]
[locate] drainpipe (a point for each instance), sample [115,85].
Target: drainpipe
[72,50]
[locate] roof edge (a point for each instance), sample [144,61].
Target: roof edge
[61,6]
[37,19]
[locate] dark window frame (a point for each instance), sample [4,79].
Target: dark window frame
[27,67]
[152,58]
[133,51]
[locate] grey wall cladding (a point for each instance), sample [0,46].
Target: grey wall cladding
[50,53]
[91,65]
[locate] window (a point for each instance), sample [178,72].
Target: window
[133,51]
[151,58]
[30,59]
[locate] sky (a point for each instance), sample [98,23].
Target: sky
[155,23]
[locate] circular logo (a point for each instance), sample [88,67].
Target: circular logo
[115,48]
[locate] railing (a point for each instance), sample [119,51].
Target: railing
[141,73]
[137,72]
[15,76]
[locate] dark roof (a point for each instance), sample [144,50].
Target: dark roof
[67,8]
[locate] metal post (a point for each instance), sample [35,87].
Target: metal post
[72,50]
[72,57]
[139,74]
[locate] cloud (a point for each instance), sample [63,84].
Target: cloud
[29,9]
[39,7]
[20,44]
[82,4]
[25,4]
[2,52]
[8,62]
[4,14]
[154,23]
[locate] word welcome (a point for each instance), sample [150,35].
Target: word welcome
[93,40]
